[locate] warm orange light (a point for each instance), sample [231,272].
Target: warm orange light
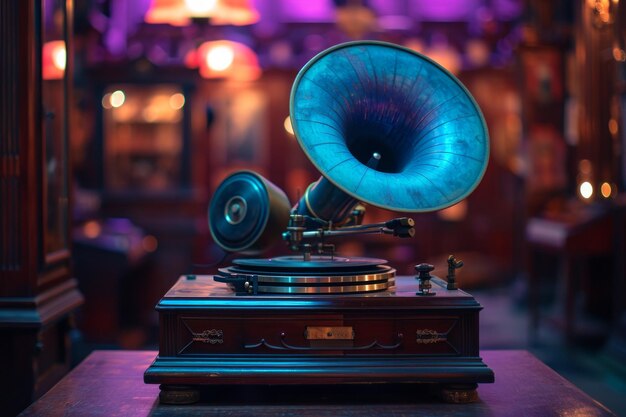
[454,213]
[601,10]
[220,57]
[586,190]
[288,126]
[201,7]
[191,59]
[117,98]
[92,229]
[127,112]
[221,12]
[106,101]
[54,60]
[172,12]
[59,57]
[227,59]
[159,108]
[606,190]
[235,12]
[584,166]
[177,101]
[446,56]
[150,114]
[415,44]
[478,52]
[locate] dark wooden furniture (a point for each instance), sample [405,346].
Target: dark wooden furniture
[209,335]
[110,383]
[572,239]
[37,292]
[144,157]
[109,267]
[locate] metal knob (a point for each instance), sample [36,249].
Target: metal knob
[423,275]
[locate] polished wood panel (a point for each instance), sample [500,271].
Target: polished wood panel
[396,336]
[109,383]
[37,292]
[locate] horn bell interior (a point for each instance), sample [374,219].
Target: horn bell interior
[363,98]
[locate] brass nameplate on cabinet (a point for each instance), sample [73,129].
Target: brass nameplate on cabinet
[329,333]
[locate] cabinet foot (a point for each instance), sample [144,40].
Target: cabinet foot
[178,394]
[459,393]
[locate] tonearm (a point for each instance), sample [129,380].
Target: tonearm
[306,225]
[305,241]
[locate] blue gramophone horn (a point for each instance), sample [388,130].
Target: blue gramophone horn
[386,126]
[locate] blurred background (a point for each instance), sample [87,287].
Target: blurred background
[164,98]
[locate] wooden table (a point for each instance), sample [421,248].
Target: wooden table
[110,383]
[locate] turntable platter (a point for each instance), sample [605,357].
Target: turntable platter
[316,263]
[320,275]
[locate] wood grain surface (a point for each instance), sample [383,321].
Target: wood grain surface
[110,383]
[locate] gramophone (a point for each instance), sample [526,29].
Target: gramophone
[386,127]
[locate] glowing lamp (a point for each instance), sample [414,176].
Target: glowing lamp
[54,60]
[220,57]
[221,12]
[235,12]
[117,98]
[288,126]
[586,190]
[606,190]
[177,101]
[172,12]
[227,59]
[201,7]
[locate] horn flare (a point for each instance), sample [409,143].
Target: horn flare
[367,99]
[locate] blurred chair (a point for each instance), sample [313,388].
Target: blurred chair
[108,256]
[572,239]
